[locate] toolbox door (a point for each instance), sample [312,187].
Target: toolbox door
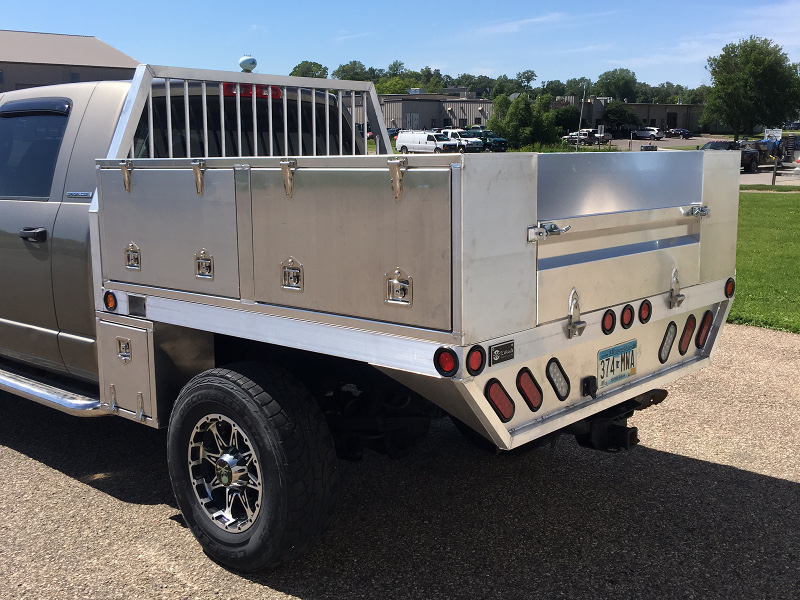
[615,227]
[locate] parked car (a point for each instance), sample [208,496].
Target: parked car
[583,137]
[491,141]
[467,142]
[678,133]
[644,133]
[750,156]
[393,131]
[424,141]
[604,139]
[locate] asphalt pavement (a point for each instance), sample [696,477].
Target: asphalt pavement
[707,506]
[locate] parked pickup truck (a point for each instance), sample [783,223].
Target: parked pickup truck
[750,156]
[218,255]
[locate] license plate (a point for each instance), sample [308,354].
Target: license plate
[616,363]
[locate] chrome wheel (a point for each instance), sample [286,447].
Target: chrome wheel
[224,473]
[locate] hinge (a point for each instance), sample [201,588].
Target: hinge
[396,167]
[199,168]
[699,211]
[126,166]
[288,166]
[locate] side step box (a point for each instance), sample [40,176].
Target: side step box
[66,401]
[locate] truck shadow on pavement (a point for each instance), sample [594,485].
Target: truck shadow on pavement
[452,521]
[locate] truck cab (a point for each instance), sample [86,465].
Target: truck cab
[49,138]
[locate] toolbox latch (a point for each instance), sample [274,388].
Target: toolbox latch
[575,325]
[399,287]
[675,296]
[292,275]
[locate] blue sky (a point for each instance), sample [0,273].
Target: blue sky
[664,41]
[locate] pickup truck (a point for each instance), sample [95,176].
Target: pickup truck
[217,254]
[750,156]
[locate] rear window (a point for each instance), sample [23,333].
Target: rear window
[30,138]
[223,126]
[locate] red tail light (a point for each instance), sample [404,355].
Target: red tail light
[645,311]
[530,389]
[626,318]
[446,362]
[609,321]
[476,360]
[705,329]
[730,288]
[686,336]
[499,399]
[246,90]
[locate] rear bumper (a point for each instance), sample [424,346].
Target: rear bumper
[465,396]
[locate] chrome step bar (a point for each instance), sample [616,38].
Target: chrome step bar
[69,402]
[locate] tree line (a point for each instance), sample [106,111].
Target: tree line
[620,84]
[753,83]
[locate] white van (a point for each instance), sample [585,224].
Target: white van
[424,141]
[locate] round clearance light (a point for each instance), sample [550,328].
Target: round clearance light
[558,379]
[730,288]
[476,360]
[110,301]
[446,362]
[501,402]
[645,311]
[609,321]
[666,343]
[530,389]
[627,316]
[705,329]
[686,336]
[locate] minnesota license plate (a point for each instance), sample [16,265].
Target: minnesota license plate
[616,363]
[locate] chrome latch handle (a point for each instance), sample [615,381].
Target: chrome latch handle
[545,229]
[700,211]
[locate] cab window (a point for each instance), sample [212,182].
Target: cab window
[31,132]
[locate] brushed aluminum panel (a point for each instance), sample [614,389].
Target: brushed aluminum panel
[346,229]
[721,195]
[498,204]
[572,185]
[166,218]
[610,281]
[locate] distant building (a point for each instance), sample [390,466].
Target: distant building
[29,59]
[425,111]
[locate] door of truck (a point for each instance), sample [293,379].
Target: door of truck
[31,133]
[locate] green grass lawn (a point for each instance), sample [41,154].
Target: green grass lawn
[768,261]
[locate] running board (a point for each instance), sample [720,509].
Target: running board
[69,402]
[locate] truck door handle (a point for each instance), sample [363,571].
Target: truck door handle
[33,234]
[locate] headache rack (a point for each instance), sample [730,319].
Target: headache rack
[223,114]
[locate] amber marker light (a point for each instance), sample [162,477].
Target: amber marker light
[110,301]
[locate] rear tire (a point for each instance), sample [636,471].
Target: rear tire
[252,465]
[437,150]
[403,150]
